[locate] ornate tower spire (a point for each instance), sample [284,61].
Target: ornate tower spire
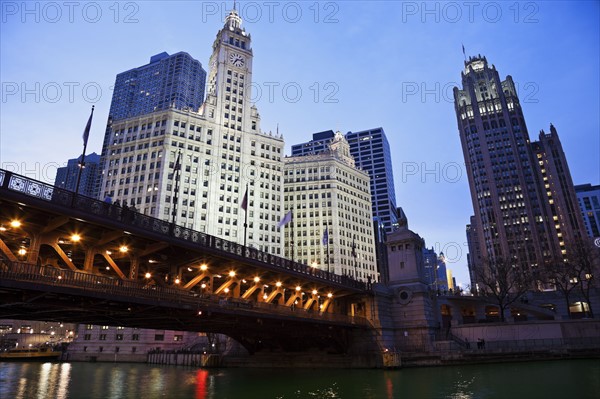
[233,20]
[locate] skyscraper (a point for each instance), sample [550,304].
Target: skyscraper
[330,200]
[194,164]
[515,217]
[371,151]
[66,176]
[589,202]
[168,81]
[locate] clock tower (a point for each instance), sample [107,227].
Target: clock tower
[230,78]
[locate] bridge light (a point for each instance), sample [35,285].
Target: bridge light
[22,251]
[278,284]
[189,269]
[256,279]
[203,267]
[265,296]
[75,238]
[15,223]
[315,264]
[123,248]
[232,274]
[109,252]
[314,292]
[148,275]
[203,285]
[298,288]
[244,281]
[226,290]
[107,268]
[177,280]
[2,228]
[329,295]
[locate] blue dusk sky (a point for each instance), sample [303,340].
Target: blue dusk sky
[347,65]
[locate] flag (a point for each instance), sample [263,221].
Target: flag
[353,248]
[326,237]
[86,132]
[245,200]
[285,220]
[463,46]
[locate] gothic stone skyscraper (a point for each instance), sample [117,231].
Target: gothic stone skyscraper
[515,218]
[205,157]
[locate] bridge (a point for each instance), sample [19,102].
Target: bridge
[67,257]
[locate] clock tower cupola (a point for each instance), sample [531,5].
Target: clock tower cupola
[228,100]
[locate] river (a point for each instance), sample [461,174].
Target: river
[529,380]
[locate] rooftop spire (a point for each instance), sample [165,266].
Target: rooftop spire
[233,19]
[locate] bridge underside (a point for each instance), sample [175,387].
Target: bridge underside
[70,258]
[77,233]
[255,330]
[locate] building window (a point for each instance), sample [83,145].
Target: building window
[159,337]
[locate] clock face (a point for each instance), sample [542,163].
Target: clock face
[236,60]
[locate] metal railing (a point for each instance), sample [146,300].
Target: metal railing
[111,287]
[128,217]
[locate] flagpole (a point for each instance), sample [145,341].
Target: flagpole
[327,230]
[81,165]
[292,238]
[354,254]
[246,216]
[176,190]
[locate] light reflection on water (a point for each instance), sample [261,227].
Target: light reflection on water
[557,379]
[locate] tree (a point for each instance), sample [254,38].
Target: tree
[585,255]
[564,276]
[503,282]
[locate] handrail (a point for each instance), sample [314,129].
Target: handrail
[68,199]
[23,271]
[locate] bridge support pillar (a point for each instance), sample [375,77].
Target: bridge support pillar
[134,267]
[35,243]
[88,263]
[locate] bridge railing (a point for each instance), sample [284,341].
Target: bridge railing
[128,217]
[109,286]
